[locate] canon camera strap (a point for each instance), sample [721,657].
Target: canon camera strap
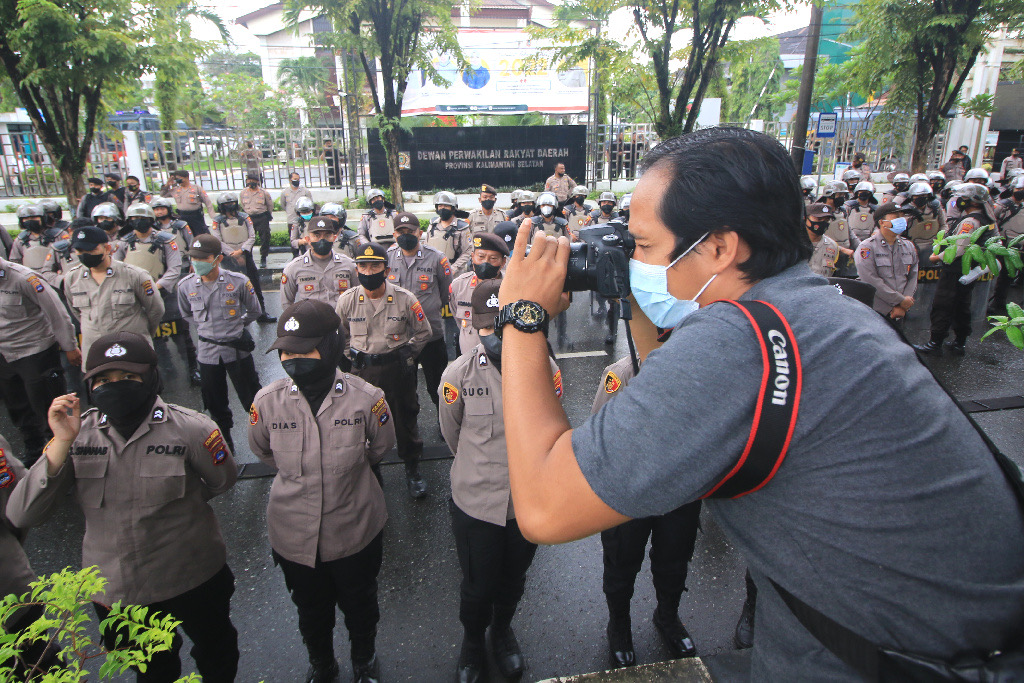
[778,403]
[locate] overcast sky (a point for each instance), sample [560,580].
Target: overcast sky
[245,41]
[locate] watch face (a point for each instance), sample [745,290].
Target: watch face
[528,313]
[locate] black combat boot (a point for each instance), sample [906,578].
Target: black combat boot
[413,479]
[675,636]
[958,346]
[507,654]
[743,638]
[930,348]
[620,634]
[472,660]
[367,671]
[323,667]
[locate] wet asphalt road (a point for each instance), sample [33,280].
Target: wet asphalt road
[561,621]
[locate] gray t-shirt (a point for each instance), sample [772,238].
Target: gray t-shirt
[888,514]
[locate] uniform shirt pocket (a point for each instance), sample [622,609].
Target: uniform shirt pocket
[347,445]
[163,479]
[81,300]
[479,415]
[90,480]
[12,307]
[396,333]
[286,447]
[122,304]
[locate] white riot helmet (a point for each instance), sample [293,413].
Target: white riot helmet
[624,202]
[920,194]
[850,174]
[976,174]
[901,181]
[527,197]
[580,190]
[106,210]
[164,203]
[446,198]
[140,217]
[304,207]
[547,203]
[336,210]
[971,192]
[227,202]
[834,187]
[608,197]
[373,194]
[807,185]
[916,178]
[864,186]
[516,194]
[1017,183]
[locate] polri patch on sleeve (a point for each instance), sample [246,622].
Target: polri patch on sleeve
[254,415]
[865,252]
[451,394]
[379,407]
[447,266]
[6,473]
[284,279]
[558,384]
[417,308]
[214,443]
[612,383]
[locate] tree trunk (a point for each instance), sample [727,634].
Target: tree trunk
[391,137]
[74,186]
[919,159]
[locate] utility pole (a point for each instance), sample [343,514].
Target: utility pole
[803,107]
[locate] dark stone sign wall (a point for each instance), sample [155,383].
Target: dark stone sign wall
[461,158]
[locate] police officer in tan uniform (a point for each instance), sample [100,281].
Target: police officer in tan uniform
[490,253]
[826,251]
[860,211]
[527,208]
[107,295]
[888,262]
[493,554]
[291,195]
[221,304]
[548,221]
[143,472]
[672,537]
[168,221]
[448,233]
[34,245]
[834,196]
[324,430]
[385,329]
[1010,219]
[576,211]
[190,200]
[258,203]
[237,235]
[605,211]
[253,159]
[926,218]
[304,210]
[425,272]
[485,218]
[378,223]
[322,273]
[34,328]
[559,184]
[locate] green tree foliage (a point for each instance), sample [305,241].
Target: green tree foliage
[831,86]
[60,57]
[753,75]
[66,600]
[223,61]
[927,50]
[247,102]
[309,78]
[663,23]
[578,37]
[392,38]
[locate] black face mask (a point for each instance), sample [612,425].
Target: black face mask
[901,187]
[32,226]
[112,186]
[295,183]
[528,209]
[606,209]
[840,199]
[919,201]
[302,370]
[322,247]
[252,184]
[120,399]
[95,190]
[379,204]
[445,214]
[579,200]
[407,241]
[142,225]
[91,260]
[866,196]
[806,191]
[133,188]
[625,214]
[818,228]
[1018,195]
[372,282]
[492,347]
[487,204]
[486,271]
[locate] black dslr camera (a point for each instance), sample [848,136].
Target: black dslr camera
[600,262]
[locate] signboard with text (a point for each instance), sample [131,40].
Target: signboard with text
[462,158]
[826,125]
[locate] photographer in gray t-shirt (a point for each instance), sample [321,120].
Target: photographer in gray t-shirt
[896,523]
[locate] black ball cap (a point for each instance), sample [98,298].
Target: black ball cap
[407,220]
[371,252]
[507,230]
[490,189]
[887,208]
[490,242]
[204,245]
[485,303]
[120,351]
[303,324]
[88,237]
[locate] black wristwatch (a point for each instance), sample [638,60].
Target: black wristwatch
[525,316]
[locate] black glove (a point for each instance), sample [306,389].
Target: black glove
[407,359]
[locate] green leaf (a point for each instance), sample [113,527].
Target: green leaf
[949,255]
[1015,336]
[1015,259]
[1014,310]
[1011,269]
[965,264]
[978,233]
[989,333]
[1016,240]
[992,262]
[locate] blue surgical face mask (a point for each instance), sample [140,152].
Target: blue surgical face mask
[650,287]
[899,225]
[306,216]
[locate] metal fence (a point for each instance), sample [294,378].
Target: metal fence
[26,169]
[614,150]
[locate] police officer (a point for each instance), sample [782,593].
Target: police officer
[35,246]
[220,303]
[576,210]
[951,306]
[34,328]
[324,430]
[385,330]
[527,208]
[143,472]
[425,272]
[493,554]
[6,242]
[53,215]
[834,196]
[168,221]
[624,207]
[134,194]
[290,196]
[108,217]
[826,251]
[114,190]
[237,235]
[258,203]
[672,537]
[860,167]
[548,222]
[348,239]
[304,210]
[889,262]
[605,211]
[322,273]
[1010,219]
[107,295]
[253,159]
[851,178]
[513,210]
[807,188]
[378,223]
[937,179]
[490,253]
[190,200]
[900,184]
[92,199]
[925,216]
[1010,163]
[485,218]
[448,233]
[860,211]
[158,254]
[559,184]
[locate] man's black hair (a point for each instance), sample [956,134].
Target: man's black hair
[131,177]
[733,179]
[95,181]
